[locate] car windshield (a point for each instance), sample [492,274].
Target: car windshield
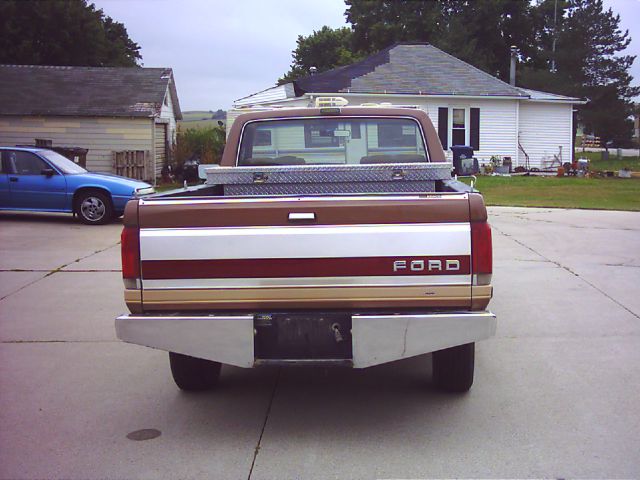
[332,141]
[62,163]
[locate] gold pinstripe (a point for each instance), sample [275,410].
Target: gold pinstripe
[460,293]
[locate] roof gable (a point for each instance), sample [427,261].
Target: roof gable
[85,91]
[409,68]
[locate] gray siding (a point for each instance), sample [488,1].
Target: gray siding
[544,128]
[160,143]
[167,113]
[101,136]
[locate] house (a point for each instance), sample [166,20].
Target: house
[466,105]
[102,109]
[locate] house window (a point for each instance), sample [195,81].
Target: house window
[458,126]
[263,138]
[396,134]
[320,134]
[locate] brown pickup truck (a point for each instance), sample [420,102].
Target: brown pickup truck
[327,236]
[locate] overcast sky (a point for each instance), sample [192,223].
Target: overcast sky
[221,50]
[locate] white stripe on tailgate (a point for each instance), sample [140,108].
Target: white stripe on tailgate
[306,241]
[389,281]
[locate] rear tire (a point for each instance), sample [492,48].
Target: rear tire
[194,374]
[453,368]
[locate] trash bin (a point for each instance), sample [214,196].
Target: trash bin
[463,161]
[75,154]
[190,169]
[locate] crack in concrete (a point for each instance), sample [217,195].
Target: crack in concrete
[523,216]
[264,425]
[22,287]
[566,336]
[55,270]
[90,271]
[77,260]
[87,270]
[58,341]
[22,270]
[568,270]
[530,260]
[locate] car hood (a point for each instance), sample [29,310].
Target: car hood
[115,179]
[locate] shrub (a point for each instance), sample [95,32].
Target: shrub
[205,143]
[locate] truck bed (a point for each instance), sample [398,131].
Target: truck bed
[318,252]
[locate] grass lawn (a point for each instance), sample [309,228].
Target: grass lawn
[196,115]
[164,187]
[613,164]
[565,192]
[197,124]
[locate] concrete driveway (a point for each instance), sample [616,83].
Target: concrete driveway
[556,394]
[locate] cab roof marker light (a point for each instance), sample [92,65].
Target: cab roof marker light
[330,111]
[322,102]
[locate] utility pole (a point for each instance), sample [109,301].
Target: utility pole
[553,45]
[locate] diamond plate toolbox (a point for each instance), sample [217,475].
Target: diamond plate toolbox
[421,186]
[318,179]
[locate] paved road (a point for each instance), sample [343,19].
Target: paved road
[556,391]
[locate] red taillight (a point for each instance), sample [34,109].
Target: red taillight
[130,253]
[481,253]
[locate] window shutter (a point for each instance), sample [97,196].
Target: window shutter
[443,126]
[474,133]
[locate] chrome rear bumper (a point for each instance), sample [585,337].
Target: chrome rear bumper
[376,339]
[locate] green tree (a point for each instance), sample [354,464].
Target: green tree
[324,49]
[479,32]
[588,64]
[607,115]
[63,32]
[380,23]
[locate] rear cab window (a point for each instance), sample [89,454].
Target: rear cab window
[332,141]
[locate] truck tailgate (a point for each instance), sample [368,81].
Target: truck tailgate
[343,252]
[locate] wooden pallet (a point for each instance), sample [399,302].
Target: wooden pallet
[136,164]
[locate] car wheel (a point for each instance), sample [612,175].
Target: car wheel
[453,368]
[94,208]
[194,374]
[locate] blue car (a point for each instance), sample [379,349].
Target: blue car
[37,179]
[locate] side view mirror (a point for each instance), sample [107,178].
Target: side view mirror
[49,172]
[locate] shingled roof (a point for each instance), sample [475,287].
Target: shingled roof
[85,91]
[408,68]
